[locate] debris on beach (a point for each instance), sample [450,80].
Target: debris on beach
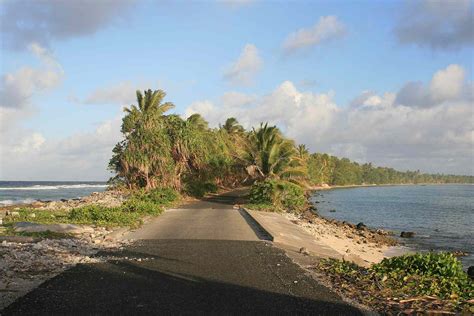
[26,262]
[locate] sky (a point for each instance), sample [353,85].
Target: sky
[387,82]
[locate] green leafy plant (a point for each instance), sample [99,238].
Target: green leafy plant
[281,194]
[439,274]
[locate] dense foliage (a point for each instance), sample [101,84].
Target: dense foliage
[167,151]
[278,194]
[323,168]
[430,278]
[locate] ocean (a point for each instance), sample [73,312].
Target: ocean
[442,216]
[20,192]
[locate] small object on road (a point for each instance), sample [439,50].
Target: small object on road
[295,282]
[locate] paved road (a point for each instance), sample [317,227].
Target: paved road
[188,276]
[213,218]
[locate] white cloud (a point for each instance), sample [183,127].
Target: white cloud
[438,138]
[246,67]
[327,29]
[446,25]
[447,85]
[29,144]
[17,88]
[82,156]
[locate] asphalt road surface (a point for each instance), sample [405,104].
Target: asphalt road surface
[185,265]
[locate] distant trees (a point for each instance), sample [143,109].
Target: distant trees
[160,150]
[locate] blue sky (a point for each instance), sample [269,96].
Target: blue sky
[192,51]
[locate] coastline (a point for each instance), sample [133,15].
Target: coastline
[361,245]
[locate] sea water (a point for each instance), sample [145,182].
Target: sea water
[442,216]
[19,192]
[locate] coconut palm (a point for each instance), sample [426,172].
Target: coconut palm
[232,126]
[271,155]
[148,105]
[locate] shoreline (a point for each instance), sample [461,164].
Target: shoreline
[362,245]
[352,186]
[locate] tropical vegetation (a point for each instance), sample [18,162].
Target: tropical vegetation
[161,150]
[417,282]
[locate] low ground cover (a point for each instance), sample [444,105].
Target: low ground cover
[410,283]
[130,213]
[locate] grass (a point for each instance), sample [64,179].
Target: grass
[131,213]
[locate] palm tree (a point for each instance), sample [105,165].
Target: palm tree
[232,126]
[143,156]
[149,104]
[270,154]
[197,121]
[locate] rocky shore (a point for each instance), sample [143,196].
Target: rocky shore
[357,243]
[26,262]
[106,198]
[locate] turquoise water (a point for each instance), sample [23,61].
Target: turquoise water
[442,216]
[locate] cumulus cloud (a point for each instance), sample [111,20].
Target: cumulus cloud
[437,138]
[82,156]
[327,29]
[246,67]
[446,85]
[29,143]
[437,24]
[17,88]
[25,21]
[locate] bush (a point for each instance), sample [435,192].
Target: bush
[440,274]
[199,189]
[281,194]
[437,275]
[162,196]
[107,216]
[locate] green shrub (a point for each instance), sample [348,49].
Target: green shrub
[143,207]
[161,196]
[107,216]
[282,194]
[440,274]
[437,275]
[199,189]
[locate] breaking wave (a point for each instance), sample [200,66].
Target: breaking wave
[55,187]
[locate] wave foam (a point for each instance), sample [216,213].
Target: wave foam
[56,187]
[11,202]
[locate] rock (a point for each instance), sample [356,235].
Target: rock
[407,234]
[58,228]
[332,211]
[1,221]
[37,204]
[64,200]
[470,272]
[13,214]
[361,226]
[460,253]
[32,215]
[304,251]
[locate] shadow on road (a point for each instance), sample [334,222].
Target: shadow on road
[185,277]
[124,288]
